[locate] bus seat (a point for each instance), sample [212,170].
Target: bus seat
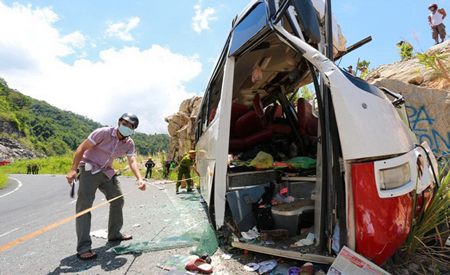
[251,140]
[280,128]
[237,110]
[258,137]
[247,124]
[308,123]
[274,112]
[258,106]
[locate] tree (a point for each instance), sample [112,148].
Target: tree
[363,66]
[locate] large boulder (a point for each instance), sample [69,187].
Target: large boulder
[182,127]
[428,112]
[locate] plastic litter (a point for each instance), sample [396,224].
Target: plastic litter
[281,269]
[309,240]
[262,161]
[251,234]
[335,240]
[283,199]
[226,256]
[101,233]
[256,74]
[294,270]
[302,162]
[251,267]
[270,242]
[267,266]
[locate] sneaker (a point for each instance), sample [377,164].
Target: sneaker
[177,192]
[189,190]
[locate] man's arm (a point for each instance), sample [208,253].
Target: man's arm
[135,169]
[193,167]
[444,14]
[77,158]
[429,21]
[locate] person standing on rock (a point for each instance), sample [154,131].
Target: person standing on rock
[436,22]
[149,165]
[94,158]
[186,163]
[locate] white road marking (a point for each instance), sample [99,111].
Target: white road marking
[10,231]
[20,185]
[72,202]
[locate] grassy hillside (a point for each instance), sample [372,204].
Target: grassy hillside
[55,132]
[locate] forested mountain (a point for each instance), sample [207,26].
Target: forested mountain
[53,131]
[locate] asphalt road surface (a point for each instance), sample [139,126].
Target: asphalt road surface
[33,202]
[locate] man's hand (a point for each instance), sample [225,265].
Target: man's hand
[72,175]
[142,185]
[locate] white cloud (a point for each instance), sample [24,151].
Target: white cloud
[148,82]
[75,39]
[202,18]
[122,29]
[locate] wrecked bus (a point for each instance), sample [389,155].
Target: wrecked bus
[346,163]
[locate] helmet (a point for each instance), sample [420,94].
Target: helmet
[192,152]
[131,118]
[433,5]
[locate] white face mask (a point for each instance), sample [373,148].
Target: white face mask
[125,131]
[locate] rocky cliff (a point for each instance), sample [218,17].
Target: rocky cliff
[412,71]
[12,149]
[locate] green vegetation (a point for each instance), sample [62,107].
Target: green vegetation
[3,179]
[306,93]
[435,61]
[425,244]
[363,66]
[60,165]
[405,49]
[52,165]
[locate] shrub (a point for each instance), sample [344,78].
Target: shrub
[3,178]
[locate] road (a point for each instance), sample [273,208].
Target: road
[34,202]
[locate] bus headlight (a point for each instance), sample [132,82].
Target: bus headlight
[395,177]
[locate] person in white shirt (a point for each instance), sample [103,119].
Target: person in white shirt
[436,21]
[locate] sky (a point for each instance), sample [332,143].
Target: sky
[101,58]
